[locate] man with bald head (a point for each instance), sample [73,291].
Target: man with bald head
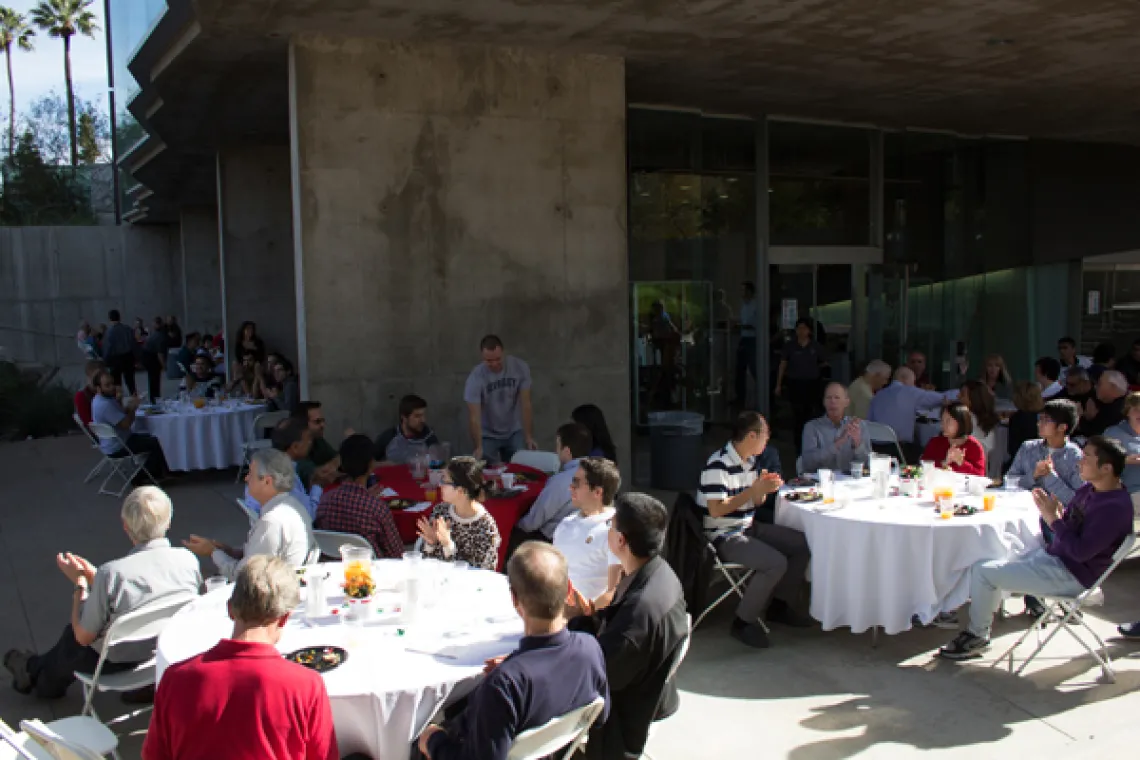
[897,406]
[553,672]
[836,439]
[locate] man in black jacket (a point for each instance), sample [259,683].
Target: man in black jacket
[640,632]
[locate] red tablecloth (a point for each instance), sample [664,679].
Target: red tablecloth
[505,511]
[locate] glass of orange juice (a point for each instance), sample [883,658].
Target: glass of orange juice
[989,501]
[430,494]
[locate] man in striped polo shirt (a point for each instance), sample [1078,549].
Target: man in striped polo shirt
[731,489]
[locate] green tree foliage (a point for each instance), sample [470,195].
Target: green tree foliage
[36,193]
[14,30]
[63,19]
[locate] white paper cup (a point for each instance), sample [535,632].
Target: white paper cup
[508,480]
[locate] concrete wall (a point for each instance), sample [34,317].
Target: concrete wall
[52,277]
[200,268]
[255,206]
[448,192]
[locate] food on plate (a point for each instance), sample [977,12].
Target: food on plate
[400,503]
[805,497]
[494,492]
[320,659]
[525,477]
[911,472]
[801,482]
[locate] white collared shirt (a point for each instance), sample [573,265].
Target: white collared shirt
[1051,390]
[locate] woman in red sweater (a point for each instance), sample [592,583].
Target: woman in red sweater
[956,449]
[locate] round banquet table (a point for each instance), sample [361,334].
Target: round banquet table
[392,683]
[201,439]
[880,562]
[506,512]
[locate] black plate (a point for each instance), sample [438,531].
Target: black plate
[501,493]
[805,497]
[400,503]
[320,659]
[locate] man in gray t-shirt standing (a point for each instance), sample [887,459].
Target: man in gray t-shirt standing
[499,413]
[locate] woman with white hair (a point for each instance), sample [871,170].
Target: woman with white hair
[284,528]
[152,571]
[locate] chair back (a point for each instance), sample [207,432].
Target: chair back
[330,541]
[104,432]
[1121,554]
[86,430]
[799,465]
[546,461]
[267,421]
[880,433]
[18,746]
[248,513]
[569,730]
[58,747]
[682,648]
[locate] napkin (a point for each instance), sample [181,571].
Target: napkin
[423,506]
[388,493]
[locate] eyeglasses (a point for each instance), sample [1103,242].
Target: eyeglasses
[447,483]
[576,483]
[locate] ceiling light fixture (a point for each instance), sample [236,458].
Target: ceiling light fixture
[999,41]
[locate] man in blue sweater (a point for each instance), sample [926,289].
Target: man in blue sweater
[1085,536]
[554,671]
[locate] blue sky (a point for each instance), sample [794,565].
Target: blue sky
[38,73]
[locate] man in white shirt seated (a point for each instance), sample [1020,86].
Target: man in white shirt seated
[151,571]
[284,529]
[1048,373]
[107,410]
[836,439]
[582,536]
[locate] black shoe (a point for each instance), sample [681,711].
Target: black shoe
[965,646]
[16,663]
[1130,631]
[1034,608]
[782,613]
[750,634]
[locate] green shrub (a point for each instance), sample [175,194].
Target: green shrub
[29,409]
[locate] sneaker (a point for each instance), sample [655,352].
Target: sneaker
[750,634]
[966,646]
[784,614]
[1034,608]
[16,663]
[946,620]
[1130,631]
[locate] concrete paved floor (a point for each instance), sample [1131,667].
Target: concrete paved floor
[813,696]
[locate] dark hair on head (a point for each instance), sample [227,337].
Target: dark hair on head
[303,409]
[97,378]
[1108,451]
[592,417]
[539,579]
[285,364]
[603,474]
[114,315]
[1066,341]
[748,422]
[806,323]
[642,519]
[158,322]
[1049,367]
[577,438]
[981,404]
[92,366]
[749,286]
[1077,373]
[411,404]
[246,354]
[960,414]
[1104,353]
[1062,411]
[289,432]
[467,475]
[490,343]
[356,455]
[192,336]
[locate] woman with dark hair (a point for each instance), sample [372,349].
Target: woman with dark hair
[592,418]
[977,397]
[956,449]
[460,528]
[247,340]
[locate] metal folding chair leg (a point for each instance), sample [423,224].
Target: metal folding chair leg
[98,468]
[1062,623]
[733,586]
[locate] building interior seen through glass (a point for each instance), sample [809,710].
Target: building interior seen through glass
[948,257]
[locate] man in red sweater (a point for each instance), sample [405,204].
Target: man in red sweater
[241,700]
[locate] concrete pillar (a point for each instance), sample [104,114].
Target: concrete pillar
[446,192]
[256,231]
[200,270]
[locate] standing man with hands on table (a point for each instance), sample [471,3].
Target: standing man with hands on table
[731,488]
[499,411]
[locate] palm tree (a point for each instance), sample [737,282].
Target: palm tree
[14,30]
[64,19]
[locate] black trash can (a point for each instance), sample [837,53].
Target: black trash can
[675,456]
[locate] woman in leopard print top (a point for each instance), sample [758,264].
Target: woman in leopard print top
[460,528]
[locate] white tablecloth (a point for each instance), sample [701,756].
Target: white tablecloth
[388,689]
[880,562]
[201,439]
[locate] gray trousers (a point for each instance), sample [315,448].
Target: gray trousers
[778,555]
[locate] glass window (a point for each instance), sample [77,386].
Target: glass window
[819,184]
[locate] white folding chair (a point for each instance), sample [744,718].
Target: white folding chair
[881,433]
[1065,609]
[682,650]
[330,541]
[736,575]
[257,439]
[143,624]
[126,465]
[98,468]
[19,746]
[82,738]
[566,731]
[546,461]
[246,512]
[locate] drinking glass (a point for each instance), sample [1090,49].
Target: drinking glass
[857,469]
[1011,482]
[989,501]
[826,483]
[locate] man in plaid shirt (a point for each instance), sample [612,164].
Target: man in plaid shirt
[352,508]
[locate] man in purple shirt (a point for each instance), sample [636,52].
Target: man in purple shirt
[1085,536]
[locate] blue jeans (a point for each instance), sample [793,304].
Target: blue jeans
[1035,573]
[504,448]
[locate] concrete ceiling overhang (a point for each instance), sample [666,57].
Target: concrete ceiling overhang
[214,72]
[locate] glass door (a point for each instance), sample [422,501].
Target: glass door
[823,294]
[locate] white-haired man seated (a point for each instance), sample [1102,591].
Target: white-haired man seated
[151,571]
[873,379]
[284,528]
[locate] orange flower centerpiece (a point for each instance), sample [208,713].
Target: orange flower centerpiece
[359,586]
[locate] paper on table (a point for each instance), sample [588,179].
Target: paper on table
[388,493]
[423,506]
